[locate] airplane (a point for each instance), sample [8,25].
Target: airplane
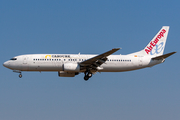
[70,65]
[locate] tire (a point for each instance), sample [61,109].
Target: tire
[86,78]
[20,75]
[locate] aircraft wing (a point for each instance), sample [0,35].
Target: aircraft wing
[98,60]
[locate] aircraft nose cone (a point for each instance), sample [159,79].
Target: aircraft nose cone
[5,64]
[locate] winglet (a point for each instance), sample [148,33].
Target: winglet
[116,48]
[163,56]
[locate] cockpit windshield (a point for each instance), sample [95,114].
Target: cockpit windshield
[13,59]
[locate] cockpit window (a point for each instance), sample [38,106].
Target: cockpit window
[13,59]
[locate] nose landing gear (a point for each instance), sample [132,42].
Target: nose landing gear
[18,71]
[20,75]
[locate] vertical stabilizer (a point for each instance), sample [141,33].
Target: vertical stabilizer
[157,45]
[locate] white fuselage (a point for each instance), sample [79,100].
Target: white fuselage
[42,62]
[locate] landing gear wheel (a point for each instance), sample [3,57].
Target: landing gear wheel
[86,78]
[20,75]
[87,74]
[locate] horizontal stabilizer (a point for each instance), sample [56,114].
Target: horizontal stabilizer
[163,56]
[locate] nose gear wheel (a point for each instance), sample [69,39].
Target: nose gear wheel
[20,75]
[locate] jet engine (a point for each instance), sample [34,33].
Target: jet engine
[66,74]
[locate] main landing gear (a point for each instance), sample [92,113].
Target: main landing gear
[87,75]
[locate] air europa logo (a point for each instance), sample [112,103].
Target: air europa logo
[153,43]
[157,49]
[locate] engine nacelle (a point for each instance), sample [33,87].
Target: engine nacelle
[66,74]
[71,67]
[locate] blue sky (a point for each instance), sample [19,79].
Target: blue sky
[88,27]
